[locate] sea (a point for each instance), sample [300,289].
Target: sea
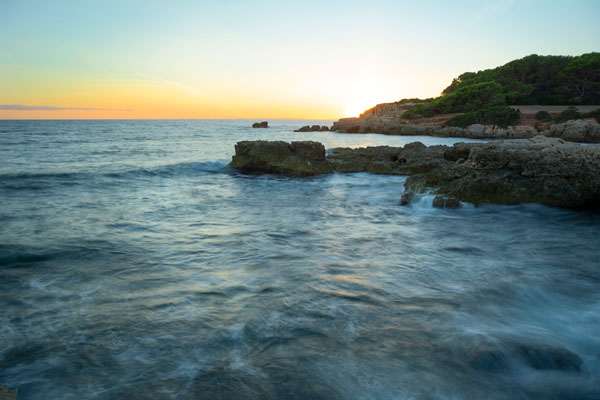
[136,264]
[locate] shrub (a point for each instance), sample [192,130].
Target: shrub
[409,114]
[593,114]
[493,115]
[568,114]
[543,116]
[465,99]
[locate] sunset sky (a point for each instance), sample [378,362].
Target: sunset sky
[263,59]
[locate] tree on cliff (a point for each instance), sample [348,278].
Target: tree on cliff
[581,77]
[539,79]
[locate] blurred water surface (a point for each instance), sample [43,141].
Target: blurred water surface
[136,264]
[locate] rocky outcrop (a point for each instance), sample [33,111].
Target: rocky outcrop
[539,170]
[264,124]
[402,127]
[7,394]
[387,119]
[414,158]
[579,130]
[314,128]
[295,159]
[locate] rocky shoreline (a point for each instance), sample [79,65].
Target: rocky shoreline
[542,170]
[387,119]
[579,130]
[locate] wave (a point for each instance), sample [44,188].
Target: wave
[39,180]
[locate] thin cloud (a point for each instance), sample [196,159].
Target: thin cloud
[189,89]
[21,107]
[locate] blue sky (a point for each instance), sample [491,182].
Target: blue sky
[268,58]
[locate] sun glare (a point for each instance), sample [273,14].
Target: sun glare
[356,106]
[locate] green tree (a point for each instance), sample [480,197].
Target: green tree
[581,77]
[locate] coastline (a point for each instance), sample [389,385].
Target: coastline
[549,171]
[387,119]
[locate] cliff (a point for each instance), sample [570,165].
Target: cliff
[387,119]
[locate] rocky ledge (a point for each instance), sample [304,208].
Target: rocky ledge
[542,170]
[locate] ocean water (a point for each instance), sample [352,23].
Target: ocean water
[135,264]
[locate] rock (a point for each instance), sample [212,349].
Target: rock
[457,152]
[264,124]
[538,170]
[296,159]
[577,131]
[413,158]
[347,125]
[6,394]
[314,128]
[407,198]
[475,131]
[387,118]
[445,202]
[542,170]
[523,131]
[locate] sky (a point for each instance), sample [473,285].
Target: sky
[263,59]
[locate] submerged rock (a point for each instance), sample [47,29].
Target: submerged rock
[296,159]
[264,124]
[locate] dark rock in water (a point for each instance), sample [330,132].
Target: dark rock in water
[314,128]
[550,358]
[305,128]
[296,159]
[264,124]
[407,198]
[445,202]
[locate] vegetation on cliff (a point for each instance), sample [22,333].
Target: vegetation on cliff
[493,115]
[545,80]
